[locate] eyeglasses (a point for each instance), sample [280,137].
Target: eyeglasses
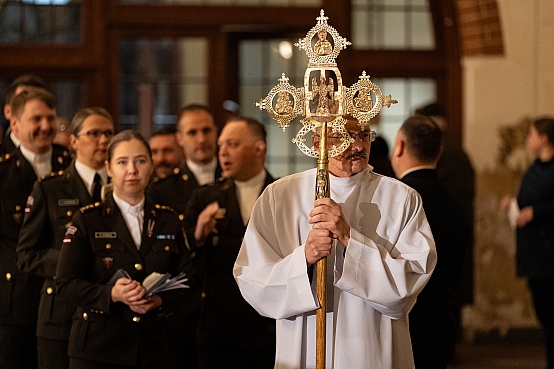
[96,133]
[364,136]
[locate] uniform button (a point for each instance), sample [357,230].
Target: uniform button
[203,294]
[17,208]
[49,290]
[185,177]
[85,316]
[8,276]
[136,319]
[181,217]
[167,248]
[69,213]
[138,266]
[108,246]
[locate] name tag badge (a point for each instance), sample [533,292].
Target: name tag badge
[105,234]
[68,202]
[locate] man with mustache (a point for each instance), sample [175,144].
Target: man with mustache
[33,120]
[380,254]
[167,155]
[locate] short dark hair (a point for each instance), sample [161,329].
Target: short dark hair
[125,136]
[81,115]
[545,126]
[257,128]
[167,130]
[31,93]
[29,80]
[431,110]
[194,107]
[423,138]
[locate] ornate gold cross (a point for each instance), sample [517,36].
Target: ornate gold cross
[323,101]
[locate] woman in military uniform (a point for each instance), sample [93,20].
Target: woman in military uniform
[116,326]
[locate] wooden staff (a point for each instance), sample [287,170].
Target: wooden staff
[322,189]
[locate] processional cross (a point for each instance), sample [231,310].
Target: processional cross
[325,114]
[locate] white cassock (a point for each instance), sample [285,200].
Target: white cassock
[373,285]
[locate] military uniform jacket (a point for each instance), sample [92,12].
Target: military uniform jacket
[48,214]
[176,189]
[7,146]
[20,291]
[226,319]
[96,245]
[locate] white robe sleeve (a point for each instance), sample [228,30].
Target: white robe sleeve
[274,282]
[390,276]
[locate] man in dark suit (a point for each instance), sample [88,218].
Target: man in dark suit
[455,170]
[415,154]
[197,134]
[10,141]
[33,118]
[48,214]
[231,333]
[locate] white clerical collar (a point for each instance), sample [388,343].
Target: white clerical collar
[413,169]
[125,207]
[87,174]
[15,140]
[204,174]
[254,182]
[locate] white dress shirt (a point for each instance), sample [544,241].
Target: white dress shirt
[87,175]
[204,174]
[134,217]
[248,192]
[41,163]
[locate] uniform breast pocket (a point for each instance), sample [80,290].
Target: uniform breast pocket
[65,213]
[109,253]
[165,247]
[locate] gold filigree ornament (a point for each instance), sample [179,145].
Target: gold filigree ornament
[285,109]
[359,102]
[323,99]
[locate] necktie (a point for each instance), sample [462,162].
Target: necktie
[96,188]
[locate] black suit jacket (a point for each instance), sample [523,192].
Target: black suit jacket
[226,319]
[20,291]
[98,244]
[432,321]
[175,190]
[54,200]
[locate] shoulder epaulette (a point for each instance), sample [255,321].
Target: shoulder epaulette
[173,174]
[5,158]
[164,207]
[90,207]
[47,177]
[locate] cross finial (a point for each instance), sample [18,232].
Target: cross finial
[322,18]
